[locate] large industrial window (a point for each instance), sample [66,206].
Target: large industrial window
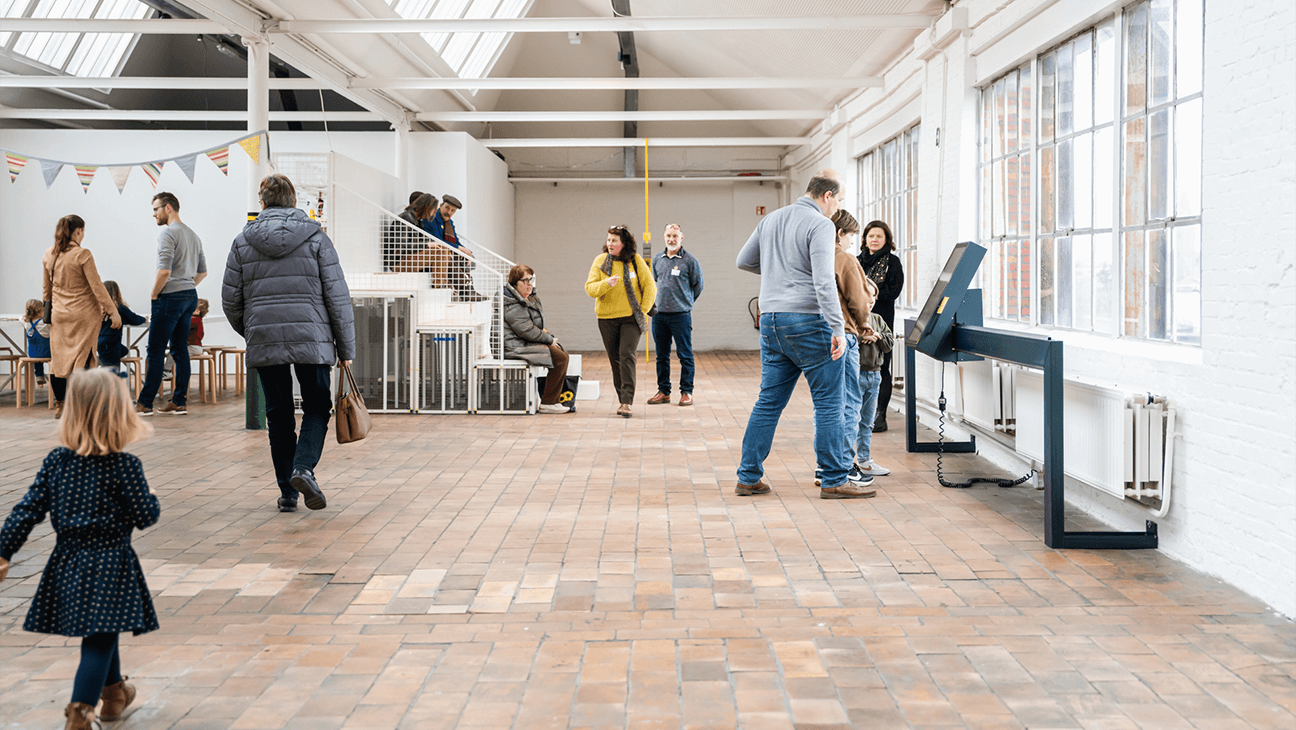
[471,55]
[76,54]
[1113,236]
[888,178]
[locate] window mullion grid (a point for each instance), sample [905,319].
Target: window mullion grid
[1037,196]
[1118,150]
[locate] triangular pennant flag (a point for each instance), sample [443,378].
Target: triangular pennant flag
[252,146]
[153,170]
[120,175]
[187,165]
[220,156]
[50,169]
[16,164]
[85,173]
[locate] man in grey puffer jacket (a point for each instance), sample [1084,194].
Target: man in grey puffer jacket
[285,294]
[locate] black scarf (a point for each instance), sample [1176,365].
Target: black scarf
[629,288]
[875,265]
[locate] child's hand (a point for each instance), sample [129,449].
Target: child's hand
[4,568]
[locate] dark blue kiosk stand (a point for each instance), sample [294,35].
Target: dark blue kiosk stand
[949,328]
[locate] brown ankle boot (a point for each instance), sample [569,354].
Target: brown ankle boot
[80,716]
[58,409]
[116,698]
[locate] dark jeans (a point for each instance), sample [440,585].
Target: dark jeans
[884,391]
[100,666]
[169,324]
[677,326]
[59,385]
[288,450]
[621,339]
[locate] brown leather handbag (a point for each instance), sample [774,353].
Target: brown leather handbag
[353,420]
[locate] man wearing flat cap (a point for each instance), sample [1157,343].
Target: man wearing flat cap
[443,228]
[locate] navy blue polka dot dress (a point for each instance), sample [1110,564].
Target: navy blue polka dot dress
[93,582]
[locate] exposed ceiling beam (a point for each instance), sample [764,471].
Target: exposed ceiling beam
[530,84]
[636,24]
[652,142]
[677,178]
[180,115]
[682,115]
[152,26]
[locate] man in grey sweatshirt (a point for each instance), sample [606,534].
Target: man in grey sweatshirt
[802,331]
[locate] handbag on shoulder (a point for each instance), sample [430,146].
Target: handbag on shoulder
[353,420]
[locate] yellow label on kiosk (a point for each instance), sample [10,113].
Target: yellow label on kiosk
[941,308]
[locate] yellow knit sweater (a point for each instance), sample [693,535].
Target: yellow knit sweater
[610,301]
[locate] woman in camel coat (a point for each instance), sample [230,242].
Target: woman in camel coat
[80,300]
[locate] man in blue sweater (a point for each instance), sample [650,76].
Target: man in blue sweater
[679,284]
[802,331]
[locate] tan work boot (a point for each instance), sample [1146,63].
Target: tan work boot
[744,490]
[848,490]
[116,698]
[80,716]
[58,409]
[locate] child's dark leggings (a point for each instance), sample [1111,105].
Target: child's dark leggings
[59,385]
[100,666]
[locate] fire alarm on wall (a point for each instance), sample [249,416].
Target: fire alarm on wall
[760,210]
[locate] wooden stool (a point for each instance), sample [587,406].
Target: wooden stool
[27,378]
[7,355]
[239,362]
[137,374]
[204,387]
[215,351]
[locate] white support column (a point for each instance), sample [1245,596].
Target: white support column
[258,106]
[401,167]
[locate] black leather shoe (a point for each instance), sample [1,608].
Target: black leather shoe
[303,480]
[879,425]
[287,504]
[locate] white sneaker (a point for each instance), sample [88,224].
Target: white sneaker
[873,469]
[553,408]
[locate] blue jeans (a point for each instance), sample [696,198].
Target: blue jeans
[679,327]
[851,395]
[169,325]
[792,344]
[870,384]
[288,450]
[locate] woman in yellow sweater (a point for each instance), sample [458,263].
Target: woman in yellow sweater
[623,289]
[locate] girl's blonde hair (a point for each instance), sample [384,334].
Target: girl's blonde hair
[114,293]
[99,417]
[202,308]
[35,310]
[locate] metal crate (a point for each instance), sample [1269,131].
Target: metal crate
[504,386]
[384,332]
[445,357]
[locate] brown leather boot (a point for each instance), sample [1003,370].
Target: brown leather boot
[80,716]
[116,698]
[58,409]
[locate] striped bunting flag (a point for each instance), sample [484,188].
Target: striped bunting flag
[220,156]
[85,173]
[16,164]
[153,170]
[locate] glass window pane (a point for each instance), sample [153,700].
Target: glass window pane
[1000,124]
[1024,194]
[1047,292]
[1135,188]
[1048,186]
[1011,283]
[1025,119]
[1012,212]
[1136,59]
[1106,293]
[1011,108]
[1158,290]
[1082,99]
[1062,283]
[1104,178]
[1000,198]
[1188,152]
[1159,181]
[1188,47]
[1065,90]
[1082,160]
[987,196]
[1161,43]
[1047,97]
[987,104]
[1134,281]
[1082,282]
[1066,186]
[1187,284]
[1105,73]
[992,303]
[1026,279]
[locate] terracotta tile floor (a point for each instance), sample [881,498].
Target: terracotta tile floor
[585,571]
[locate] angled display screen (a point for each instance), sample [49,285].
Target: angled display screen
[936,318]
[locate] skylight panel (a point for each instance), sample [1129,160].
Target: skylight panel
[470,55]
[99,54]
[11,9]
[77,54]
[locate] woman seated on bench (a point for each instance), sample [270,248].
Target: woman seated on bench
[525,337]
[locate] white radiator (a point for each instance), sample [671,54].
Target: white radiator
[1114,440]
[988,394]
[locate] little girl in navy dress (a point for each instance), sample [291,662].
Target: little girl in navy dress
[92,585]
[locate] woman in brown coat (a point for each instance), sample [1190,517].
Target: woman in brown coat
[72,282]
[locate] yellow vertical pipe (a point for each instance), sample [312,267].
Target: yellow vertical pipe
[647,237]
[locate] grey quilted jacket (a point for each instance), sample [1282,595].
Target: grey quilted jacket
[285,294]
[524,335]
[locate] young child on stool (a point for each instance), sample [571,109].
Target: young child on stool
[37,331]
[875,341]
[111,350]
[92,586]
[196,328]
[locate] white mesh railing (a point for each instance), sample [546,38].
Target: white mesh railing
[380,251]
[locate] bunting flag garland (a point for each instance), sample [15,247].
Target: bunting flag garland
[252,146]
[153,170]
[85,173]
[186,165]
[50,169]
[220,156]
[16,164]
[120,173]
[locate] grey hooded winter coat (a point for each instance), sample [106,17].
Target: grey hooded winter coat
[285,294]
[524,335]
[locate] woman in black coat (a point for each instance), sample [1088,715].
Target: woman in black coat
[525,336]
[883,267]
